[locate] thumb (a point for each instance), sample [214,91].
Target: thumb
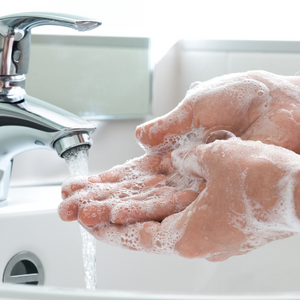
[160,134]
[202,160]
[193,162]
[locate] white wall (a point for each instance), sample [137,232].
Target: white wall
[201,19]
[201,60]
[114,140]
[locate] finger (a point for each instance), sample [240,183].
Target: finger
[151,210]
[148,236]
[127,188]
[72,184]
[104,191]
[156,132]
[210,159]
[99,213]
[133,169]
[142,183]
[96,213]
[155,192]
[68,209]
[203,160]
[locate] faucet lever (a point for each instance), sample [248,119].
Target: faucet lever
[15,36]
[26,21]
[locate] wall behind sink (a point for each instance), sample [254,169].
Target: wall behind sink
[184,62]
[114,140]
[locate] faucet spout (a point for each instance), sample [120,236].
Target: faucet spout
[69,142]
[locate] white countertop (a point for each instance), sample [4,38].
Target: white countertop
[22,200]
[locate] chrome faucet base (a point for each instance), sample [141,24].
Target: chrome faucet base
[12,88]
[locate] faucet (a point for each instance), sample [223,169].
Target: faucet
[27,123]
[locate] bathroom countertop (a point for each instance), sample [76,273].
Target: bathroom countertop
[37,199]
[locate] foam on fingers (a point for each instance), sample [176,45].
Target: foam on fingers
[129,188]
[156,209]
[68,210]
[152,237]
[70,207]
[96,213]
[152,193]
[154,134]
[73,184]
[132,169]
[110,176]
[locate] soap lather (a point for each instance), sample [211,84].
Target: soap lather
[27,123]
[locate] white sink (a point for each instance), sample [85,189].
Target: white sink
[29,222]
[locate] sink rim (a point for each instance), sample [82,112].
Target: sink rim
[9,291]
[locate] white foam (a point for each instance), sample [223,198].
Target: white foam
[159,238]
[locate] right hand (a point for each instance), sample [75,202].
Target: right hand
[256,105]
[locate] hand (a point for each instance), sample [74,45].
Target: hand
[248,201]
[255,105]
[96,200]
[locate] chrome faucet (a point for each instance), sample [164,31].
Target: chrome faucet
[28,123]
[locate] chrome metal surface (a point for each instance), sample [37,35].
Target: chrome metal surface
[71,141]
[24,268]
[28,123]
[15,36]
[12,88]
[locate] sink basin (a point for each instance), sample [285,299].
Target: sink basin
[29,222]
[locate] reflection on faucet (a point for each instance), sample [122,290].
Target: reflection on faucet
[28,123]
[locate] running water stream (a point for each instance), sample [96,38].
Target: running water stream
[77,161]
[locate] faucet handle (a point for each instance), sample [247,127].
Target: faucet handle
[15,36]
[26,21]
